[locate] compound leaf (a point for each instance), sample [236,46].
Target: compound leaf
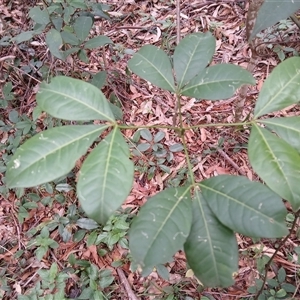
[281,88]
[217,82]
[211,248]
[153,64]
[105,178]
[277,163]
[50,154]
[286,128]
[245,206]
[192,55]
[72,99]
[161,227]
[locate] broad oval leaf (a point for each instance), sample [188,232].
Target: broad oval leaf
[39,16]
[50,154]
[161,227]
[86,223]
[97,41]
[105,178]
[54,42]
[192,55]
[72,99]
[82,27]
[277,163]
[217,82]
[153,64]
[287,128]
[245,206]
[211,248]
[272,12]
[143,147]
[280,89]
[99,80]
[159,136]
[176,147]
[146,134]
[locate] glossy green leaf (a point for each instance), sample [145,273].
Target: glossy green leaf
[211,248]
[217,82]
[153,64]
[39,16]
[287,128]
[245,206]
[54,42]
[82,27]
[281,88]
[277,163]
[72,99]
[272,12]
[105,178]
[50,154]
[192,55]
[161,227]
[97,41]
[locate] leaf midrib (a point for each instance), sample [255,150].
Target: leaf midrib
[221,81]
[257,114]
[78,101]
[273,156]
[107,163]
[161,74]
[166,219]
[60,149]
[188,65]
[209,237]
[236,201]
[293,129]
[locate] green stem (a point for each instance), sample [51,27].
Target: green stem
[123,126]
[181,134]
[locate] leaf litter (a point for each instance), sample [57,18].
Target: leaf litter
[213,151]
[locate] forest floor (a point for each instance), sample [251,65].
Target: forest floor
[134,24]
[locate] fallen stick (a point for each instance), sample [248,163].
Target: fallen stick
[124,281]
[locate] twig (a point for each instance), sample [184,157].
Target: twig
[124,281]
[267,266]
[295,20]
[251,19]
[220,151]
[178,20]
[7,57]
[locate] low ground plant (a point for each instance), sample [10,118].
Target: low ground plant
[201,217]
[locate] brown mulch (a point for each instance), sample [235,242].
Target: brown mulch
[136,23]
